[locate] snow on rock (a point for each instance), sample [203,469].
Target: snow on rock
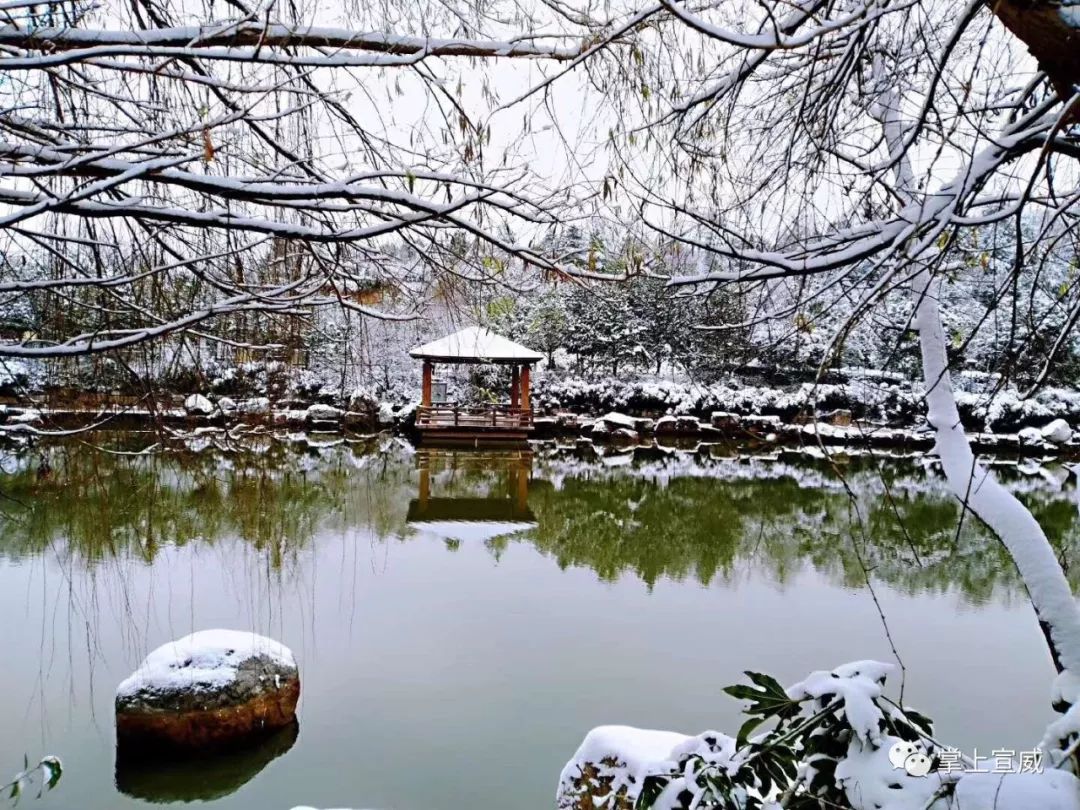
[176,697]
[362,399]
[616,420]
[198,405]
[256,406]
[611,764]
[726,420]
[206,659]
[1030,436]
[599,428]
[1058,431]
[323,413]
[226,404]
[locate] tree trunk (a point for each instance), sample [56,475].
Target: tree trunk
[998,508]
[977,489]
[1051,36]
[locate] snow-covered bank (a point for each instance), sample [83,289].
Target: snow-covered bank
[870,397]
[869,409]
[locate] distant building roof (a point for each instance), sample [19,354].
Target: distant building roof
[475,345]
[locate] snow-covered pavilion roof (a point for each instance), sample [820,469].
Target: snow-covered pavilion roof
[475,345]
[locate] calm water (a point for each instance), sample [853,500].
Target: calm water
[443,667]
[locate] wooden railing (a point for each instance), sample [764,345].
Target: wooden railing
[473,416]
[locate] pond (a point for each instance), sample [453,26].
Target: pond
[462,619]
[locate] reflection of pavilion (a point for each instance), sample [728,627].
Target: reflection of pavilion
[470,517]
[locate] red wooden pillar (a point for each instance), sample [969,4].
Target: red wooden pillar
[526,403]
[425,388]
[515,383]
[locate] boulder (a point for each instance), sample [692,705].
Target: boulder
[678,425]
[358,420]
[1057,432]
[1030,436]
[323,413]
[841,417]
[198,405]
[624,436]
[638,424]
[256,406]
[226,405]
[363,400]
[598,429]
[207,690]
[769,423]
[386,416]
[724,420]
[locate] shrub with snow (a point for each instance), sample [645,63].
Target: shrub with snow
[833,740]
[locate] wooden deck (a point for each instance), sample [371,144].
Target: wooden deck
[459,424]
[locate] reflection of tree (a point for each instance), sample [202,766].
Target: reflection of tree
[702,524]
[691,526]
[703,518]
[98,505]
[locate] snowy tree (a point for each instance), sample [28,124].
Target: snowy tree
[167,165]
[860,141]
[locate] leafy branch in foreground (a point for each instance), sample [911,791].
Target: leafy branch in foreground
[46,772]
[832,741]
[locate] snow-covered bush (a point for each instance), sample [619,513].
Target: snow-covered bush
[833,740]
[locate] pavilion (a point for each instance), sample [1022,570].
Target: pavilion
[497,422]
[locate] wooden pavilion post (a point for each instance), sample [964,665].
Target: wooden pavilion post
[526,403]
[515,383]
[425,388]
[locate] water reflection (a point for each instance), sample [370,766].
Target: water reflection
[200,778]
[656,513]
[508,650]
[472,517]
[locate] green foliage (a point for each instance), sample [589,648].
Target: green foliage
[46,773]
[275,497]
[796,758]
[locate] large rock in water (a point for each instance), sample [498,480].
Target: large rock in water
[207,690]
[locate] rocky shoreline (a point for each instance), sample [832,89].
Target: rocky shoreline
[835,428]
